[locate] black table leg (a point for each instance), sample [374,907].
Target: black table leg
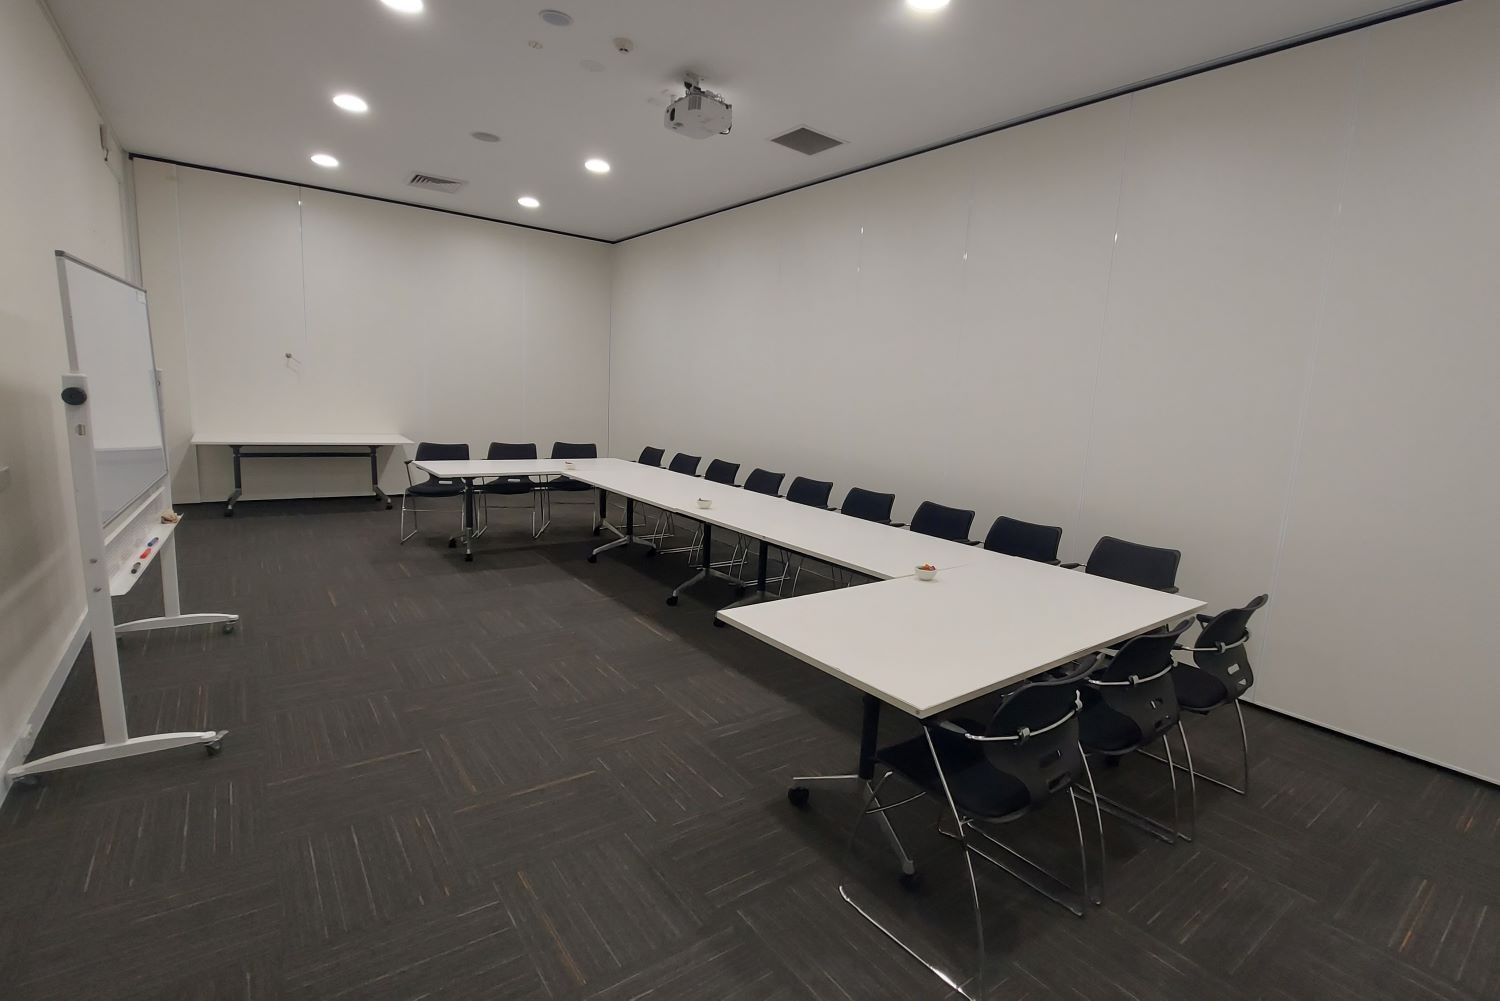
[468,526]
[603,510]
[869,734]
[229,507]
[629,515]
[765,557]
[375,477]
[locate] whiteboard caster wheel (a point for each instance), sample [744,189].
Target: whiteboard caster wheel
[452,543]
[672,600]
[718,623]
[213,748]
[229,627]
[593,558]
[911,880]
[798,796]
[26,781]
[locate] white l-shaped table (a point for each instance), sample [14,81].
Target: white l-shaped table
[986,621]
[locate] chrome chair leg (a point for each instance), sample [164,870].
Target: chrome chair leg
[1187,754]
[1243,789]
[402,532]
[1088,773]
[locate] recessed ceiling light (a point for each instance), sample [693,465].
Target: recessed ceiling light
[351,102]
[325,160]
[556,18]
[596,166]
[485,137]
[926,6]
[404,6]
[527,202]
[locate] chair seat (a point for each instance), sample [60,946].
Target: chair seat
[978,788]
[510,485]
[1198,690]
[566,483]
[436,488]
[1102,729]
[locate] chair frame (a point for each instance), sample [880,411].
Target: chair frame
[416,526]
[966,828]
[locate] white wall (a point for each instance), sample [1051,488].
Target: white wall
[56,192]
[399,319]
[1250,315]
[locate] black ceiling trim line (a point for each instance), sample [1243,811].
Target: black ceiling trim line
[372,198]
[1246,55]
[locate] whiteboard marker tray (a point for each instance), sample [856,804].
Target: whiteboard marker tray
[122,580]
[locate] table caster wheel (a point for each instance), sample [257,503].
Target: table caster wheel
[214,748]
[468,557]
[672,599]
[593,558]
[739,592]
[798,796]
[650,553]
[718,623]
[229,514]
[452,543]
[26,781]
[229,627]
[911,880]
[598,530]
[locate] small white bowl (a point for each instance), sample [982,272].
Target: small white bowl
[925,574]
[705,503]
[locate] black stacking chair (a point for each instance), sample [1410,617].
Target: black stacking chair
[812,493]
[941,522]
[432,451]
[763,481]
[1129,703]
[1024,539]
[566,484]
[685,464]
[652,456]
[1133,563]
[760,481]
[719,471]
[1219,676]
[809,493]
[509,486]
[868,505]
[985,775]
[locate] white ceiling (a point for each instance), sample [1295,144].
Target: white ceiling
[246,85]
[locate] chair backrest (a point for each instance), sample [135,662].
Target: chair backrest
[813,493]
[1024,539]
[1045,755]
[1137,681]
[574,450]
[941,522]
[684,463]
[763,481]
[437,451]
[652,456]
[722,471]
[502,450]
[1221,650]
[1133,563]
[867,504]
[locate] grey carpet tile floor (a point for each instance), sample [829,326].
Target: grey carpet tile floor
[526,777]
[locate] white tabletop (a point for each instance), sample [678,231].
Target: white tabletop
[299,439]
[927,646]
[865,546]
[472,469]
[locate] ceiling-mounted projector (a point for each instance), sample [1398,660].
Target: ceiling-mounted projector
[699,113]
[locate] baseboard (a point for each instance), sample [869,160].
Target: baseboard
[16,753]
[1371,742]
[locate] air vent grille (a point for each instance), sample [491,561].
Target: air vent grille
[805,140]
[431,182]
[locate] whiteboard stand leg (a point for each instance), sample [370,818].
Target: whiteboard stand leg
[171,598]
[127,748]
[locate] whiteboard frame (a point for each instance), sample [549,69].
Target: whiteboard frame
[159,484]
